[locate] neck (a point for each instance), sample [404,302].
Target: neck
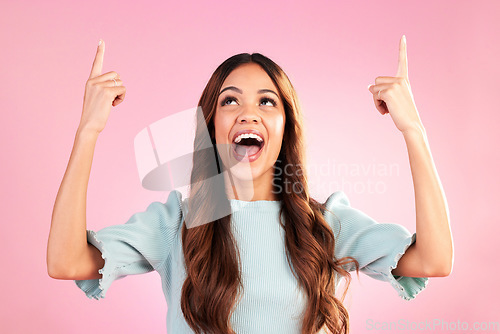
[257,189]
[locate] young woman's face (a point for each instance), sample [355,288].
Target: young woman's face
[249,101]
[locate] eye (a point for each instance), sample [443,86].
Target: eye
[268,99]
[229,98]
[264,99]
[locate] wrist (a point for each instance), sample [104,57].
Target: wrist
[414,130]
[86,132]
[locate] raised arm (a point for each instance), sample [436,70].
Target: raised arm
[432,252]
[69,256]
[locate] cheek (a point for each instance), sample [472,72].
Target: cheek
[278,126]
[222,126]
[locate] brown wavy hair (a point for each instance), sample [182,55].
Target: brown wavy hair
[213,284]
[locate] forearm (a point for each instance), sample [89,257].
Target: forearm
[434,244]
[67,238]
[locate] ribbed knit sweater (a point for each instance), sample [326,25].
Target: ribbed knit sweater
[272,301]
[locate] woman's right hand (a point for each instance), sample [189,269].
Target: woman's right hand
[100,94]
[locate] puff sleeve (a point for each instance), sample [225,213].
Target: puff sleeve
[139,246]
[377,247]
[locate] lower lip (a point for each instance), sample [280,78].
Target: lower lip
[244,158]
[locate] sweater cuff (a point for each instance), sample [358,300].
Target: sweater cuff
[96,288]
[407,287]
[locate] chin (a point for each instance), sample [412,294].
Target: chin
[245,172]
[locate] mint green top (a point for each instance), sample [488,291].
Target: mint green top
[272,301]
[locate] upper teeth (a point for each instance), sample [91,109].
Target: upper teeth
[248,135]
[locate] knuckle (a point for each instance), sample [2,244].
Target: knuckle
[108,92]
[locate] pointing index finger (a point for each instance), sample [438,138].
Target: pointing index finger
[403,59]
[98,60]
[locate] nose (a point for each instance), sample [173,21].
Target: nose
[249,114]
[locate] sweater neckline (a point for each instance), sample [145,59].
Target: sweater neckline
[261,205]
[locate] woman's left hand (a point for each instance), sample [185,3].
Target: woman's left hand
[393,95]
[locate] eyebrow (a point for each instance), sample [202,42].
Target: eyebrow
[241,92]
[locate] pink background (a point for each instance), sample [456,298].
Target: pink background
[166,52]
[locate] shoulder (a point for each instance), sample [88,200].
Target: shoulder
[340,215]
[336,205]
[169,212]
[175,202]
[338,198]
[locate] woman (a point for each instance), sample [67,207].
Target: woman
[248,252]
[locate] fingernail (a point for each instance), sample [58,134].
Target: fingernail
[369,86]
[100,41]
[404,39]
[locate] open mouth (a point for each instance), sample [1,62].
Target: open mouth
[247,147]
